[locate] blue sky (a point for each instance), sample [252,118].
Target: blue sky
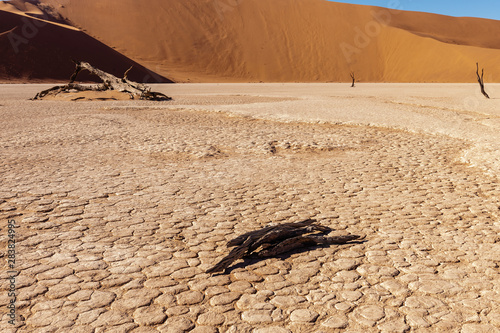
[475,8]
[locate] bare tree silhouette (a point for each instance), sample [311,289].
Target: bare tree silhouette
[480,79]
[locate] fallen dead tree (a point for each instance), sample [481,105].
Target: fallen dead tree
[109,82]
[278,239]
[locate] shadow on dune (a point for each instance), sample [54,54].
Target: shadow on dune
[38,51]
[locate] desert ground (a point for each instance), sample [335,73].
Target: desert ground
[121,206]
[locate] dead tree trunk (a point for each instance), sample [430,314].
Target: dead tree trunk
[275,240]
[353,79]
[109,82]
[480,79]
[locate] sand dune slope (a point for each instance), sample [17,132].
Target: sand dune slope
[461,31]
[289,40]
[37,50]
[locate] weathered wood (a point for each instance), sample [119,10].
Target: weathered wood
[303,241]
[286,227]
[480,79]
[109,82]
[278,239]
[353,79]
[235,254]
[58,89]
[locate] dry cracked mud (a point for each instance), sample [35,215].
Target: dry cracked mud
[119,212]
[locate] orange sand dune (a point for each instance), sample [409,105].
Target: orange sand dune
[461,31]
[289,40]
[34,50]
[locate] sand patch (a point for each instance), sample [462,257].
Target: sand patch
[89,96]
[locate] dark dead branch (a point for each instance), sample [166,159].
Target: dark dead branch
[109,82]
[353,79]
[68,87]
[75,73]
[126,72]
[278,239]
[305,241]
[480,79]
[284,228]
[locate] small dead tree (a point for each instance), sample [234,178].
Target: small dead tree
[480,79]
[109,82]
[353,79]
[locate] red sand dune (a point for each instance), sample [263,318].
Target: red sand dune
[34,50]
[289,40]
